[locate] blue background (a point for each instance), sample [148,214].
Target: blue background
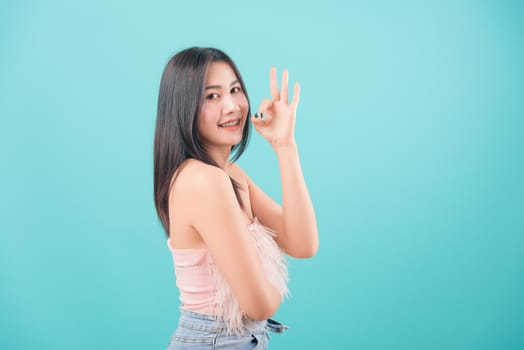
[410,129]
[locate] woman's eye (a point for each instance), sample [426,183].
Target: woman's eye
[212,96]
[236,89]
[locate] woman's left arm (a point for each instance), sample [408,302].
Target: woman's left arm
[295,221]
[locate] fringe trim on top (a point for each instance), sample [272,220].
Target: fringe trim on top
[274,266]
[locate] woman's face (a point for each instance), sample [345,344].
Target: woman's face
[224,110]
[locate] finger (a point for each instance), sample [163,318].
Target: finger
[296,96]
[262,116]
[273,86]
[261,119]
[284,89]
[264,105]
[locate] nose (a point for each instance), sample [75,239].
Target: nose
[230,105]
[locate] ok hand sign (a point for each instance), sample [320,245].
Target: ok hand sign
[275,119]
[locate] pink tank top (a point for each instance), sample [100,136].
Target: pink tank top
[203,288]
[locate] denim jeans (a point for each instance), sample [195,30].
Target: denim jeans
[204,332]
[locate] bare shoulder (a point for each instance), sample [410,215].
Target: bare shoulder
[194,184]
[198,188]
[196,175]
[197,172]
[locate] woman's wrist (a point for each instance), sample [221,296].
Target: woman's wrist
[285,147]
[286,150]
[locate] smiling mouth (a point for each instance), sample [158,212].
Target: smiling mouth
[230,123]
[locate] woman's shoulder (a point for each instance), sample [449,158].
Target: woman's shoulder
[196,174]
[196,166]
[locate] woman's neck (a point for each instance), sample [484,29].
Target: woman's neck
[220,156]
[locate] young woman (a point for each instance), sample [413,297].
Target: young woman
[227,237]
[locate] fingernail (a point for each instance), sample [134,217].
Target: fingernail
[262,116]
[256,115]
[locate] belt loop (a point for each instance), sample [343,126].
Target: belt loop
[275,326]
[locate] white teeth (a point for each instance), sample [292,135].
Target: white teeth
[231,123]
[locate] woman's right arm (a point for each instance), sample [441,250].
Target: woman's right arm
[216,215]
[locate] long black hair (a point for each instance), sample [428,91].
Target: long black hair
[177,136]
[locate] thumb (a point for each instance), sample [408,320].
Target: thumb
[264,105]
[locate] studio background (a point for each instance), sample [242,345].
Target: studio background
[410,131]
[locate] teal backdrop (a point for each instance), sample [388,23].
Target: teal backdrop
[411,137]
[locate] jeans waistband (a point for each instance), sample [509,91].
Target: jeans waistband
[219,324]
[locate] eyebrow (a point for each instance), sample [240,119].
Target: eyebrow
[220,86]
